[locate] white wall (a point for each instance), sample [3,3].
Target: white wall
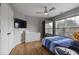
[33,25]
[18,31]
[19,15]
[0,29]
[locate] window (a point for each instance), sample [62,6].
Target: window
[59,27]
[67,26]
[77,20]
[48,28]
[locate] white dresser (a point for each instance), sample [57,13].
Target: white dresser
[32,36]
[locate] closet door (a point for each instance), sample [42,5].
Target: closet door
[0,27]
[6,29]
[10,28]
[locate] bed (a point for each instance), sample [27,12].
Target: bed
[54,41]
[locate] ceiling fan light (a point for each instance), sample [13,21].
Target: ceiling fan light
[46,13]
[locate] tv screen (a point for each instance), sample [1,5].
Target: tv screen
[19,23]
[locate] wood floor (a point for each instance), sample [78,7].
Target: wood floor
[32,48]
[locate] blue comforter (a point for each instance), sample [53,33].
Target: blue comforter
[52,42]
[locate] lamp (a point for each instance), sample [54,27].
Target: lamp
[45,12]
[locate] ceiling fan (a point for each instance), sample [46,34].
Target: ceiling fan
[46,11]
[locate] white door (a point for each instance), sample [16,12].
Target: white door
[10,28]
[0,28]
[6,29]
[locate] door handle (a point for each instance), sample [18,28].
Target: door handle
[8,33]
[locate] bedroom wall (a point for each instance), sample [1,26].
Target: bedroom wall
[18,31]
[33,25]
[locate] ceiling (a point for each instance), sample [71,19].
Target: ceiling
[30,9]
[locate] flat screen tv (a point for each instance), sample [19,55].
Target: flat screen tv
[19,23]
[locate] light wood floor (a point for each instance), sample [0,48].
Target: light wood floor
[32,48]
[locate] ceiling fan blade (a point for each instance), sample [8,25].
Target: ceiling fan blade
[39,12]
[52,8]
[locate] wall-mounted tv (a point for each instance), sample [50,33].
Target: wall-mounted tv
[19,23]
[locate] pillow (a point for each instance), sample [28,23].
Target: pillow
[76,36]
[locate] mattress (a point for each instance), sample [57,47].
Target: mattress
[52,42]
